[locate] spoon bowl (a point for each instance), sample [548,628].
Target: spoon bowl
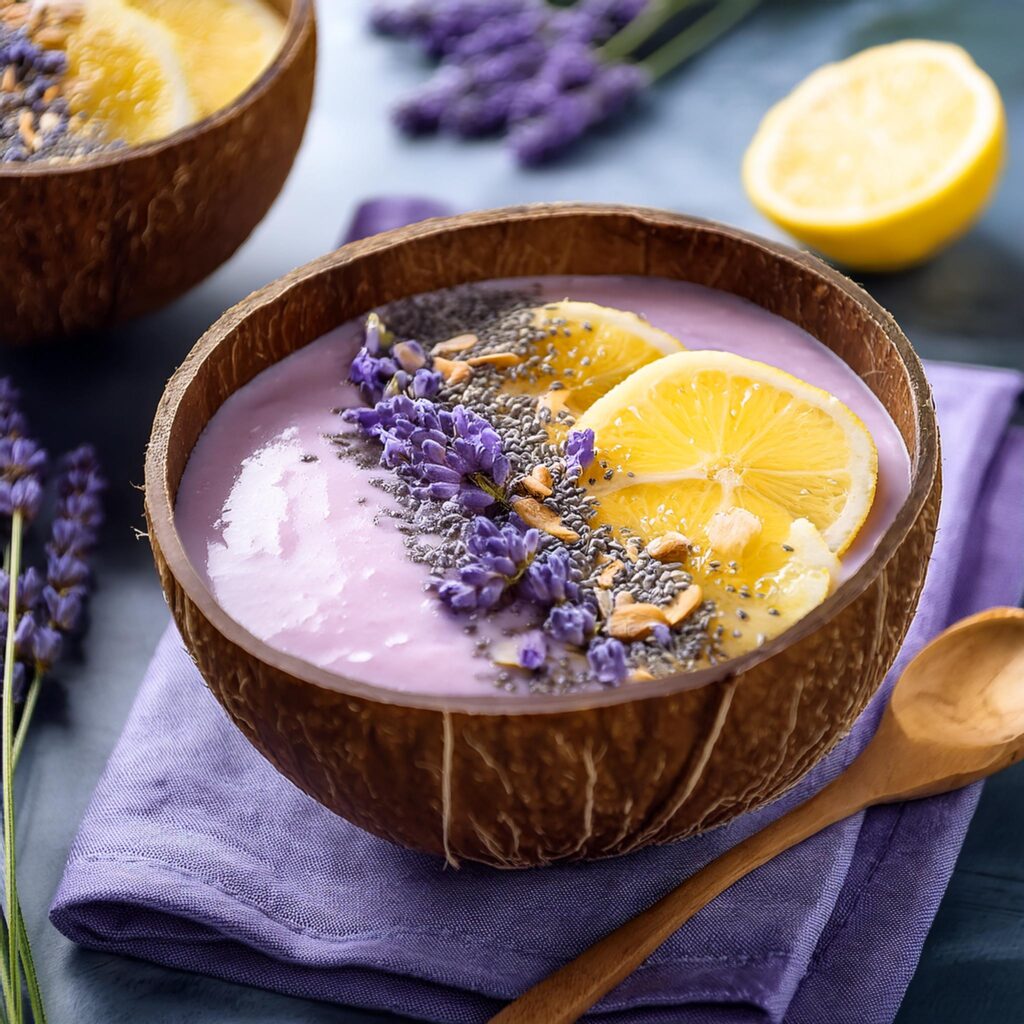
[966,688]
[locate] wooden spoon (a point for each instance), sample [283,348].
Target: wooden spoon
[956,716]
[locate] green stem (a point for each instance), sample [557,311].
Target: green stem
[648,23]
[5,981]
[35,996]
[7,725]
[27,710]
[704,31]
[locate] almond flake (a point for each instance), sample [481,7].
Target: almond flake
[533,513]
[684,604]
[460,343]
[611,570]
[495,359]
[640,675]
[623,598]
[669,547]
[635,621]
[454,371]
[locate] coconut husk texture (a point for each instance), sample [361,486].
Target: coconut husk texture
[516,782]
[92,242]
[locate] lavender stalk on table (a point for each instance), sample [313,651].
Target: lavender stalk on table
[38,610]
[545,75]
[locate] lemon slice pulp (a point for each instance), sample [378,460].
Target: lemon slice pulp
[881,159]
[587,349]
[125,74]
[768,477]
[224,45]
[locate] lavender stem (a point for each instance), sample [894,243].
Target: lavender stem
[10,880]
[27,710]
[642,28]
[704,31]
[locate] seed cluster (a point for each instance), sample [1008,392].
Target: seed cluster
[503,322]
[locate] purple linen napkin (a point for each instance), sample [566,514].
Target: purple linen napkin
[194,853]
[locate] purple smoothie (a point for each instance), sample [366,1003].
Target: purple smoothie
[289,537]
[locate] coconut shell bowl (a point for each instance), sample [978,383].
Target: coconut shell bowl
[103,239]
[530,780]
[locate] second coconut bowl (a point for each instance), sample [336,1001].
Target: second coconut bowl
[524,781]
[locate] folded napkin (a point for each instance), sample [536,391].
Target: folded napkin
[194,853]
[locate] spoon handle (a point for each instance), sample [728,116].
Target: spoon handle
[565,995]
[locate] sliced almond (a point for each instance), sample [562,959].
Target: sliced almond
[633,548]
[623,598]
[684,604]
[51,94]
[669,547]
[495,359]
[9,82]
[608,574]
[535,488]
[460,343]
[730,532]
[533,513]
[454,371]
[640,675]
[48,121]
[51,37]
[635,621]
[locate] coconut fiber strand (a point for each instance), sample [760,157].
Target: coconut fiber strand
[194,853]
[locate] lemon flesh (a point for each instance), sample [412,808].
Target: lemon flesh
[587,349]
[768,477]
[880,160]
[224,45]
[125,74]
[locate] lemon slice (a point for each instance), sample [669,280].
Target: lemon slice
[768,477]
[588,349]
[224,45]
[880,160]
[125,74]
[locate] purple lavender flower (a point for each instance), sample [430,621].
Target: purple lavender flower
[426,383]
[421,112]
[533,650]
[551,580]
[606,657]
[574,113]
[497,34]
[571,623]
[662,634]
[497,556]
[22,463]
[444,455]
[384,367]
[579,452]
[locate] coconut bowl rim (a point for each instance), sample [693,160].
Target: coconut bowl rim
[301,20]
[168,546]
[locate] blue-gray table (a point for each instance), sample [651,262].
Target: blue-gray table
[682,152]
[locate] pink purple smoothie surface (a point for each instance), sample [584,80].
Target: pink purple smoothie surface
[291,540]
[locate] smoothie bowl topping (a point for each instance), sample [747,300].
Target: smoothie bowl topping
[82,76]
[631,508]
[546,495]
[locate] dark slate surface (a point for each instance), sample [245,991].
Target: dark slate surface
[681,152]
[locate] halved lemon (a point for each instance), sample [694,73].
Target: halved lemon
[224,45]
[770,479]
[880,160]
[125,74]
[587,350]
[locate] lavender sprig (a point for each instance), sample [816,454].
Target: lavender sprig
[607,659]
[579,452]
[443,455]
[498,556]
